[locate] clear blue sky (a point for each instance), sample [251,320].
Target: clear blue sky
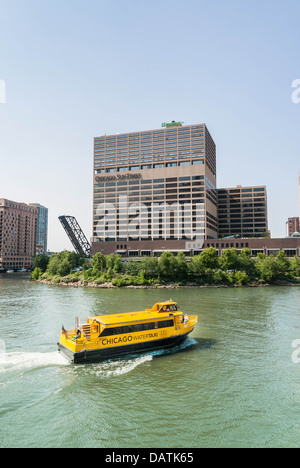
[78,69]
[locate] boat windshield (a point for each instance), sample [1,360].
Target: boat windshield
[169,308]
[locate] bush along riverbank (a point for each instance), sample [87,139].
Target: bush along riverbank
[232,268]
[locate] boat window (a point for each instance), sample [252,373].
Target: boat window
[166,323]
[137,328]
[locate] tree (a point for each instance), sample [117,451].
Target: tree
[167,266]
[196,266]
[114,262]
[72,258]
[209,258]
[268,268]
[132,267]
[246,263]
[118,265]
[295,267]
[229,260]
[64,268]
[221,277]
[41,261]
[283,264]
[53,264]
[181,267]
[240,278]
[149,265]
[98,262]
[37,272]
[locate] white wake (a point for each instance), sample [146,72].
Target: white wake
[115,368]
[21,361]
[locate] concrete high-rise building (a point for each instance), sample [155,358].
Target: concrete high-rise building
[42,228]
[242,211]
[154,190]
[18,228]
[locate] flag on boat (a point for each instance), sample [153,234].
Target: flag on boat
[64,331]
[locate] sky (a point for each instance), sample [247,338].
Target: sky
[75,69]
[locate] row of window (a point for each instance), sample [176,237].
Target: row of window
[155,133]
[170,181]
[168,143]
[137,328]
[148,166]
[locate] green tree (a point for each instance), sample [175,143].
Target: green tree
[98,263]
[241,278]
[41,261]
[221,277]
[196,267]
[114,262]
[53,264]
[229,260]
[283,264]
[167,266]
[246,263]
[209,258]
[118,265]
[64,268]
[132,267]
[268,268]
[202,265]
[36,274]
[149,265]
[71,257]
[181,267]
[295,267]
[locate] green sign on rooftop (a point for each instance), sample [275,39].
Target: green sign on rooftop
[172,124]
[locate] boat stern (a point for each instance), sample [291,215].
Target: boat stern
[193,319]
[68,346]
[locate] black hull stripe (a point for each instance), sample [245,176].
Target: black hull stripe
[99,355]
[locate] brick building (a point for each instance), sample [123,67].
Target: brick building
[18,231]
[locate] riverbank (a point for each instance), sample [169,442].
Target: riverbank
[232,269]
[110,285]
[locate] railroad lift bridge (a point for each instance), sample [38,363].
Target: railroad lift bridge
[76,236]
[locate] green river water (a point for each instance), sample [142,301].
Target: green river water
[233,383]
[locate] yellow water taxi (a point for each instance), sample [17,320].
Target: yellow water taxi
[113,336]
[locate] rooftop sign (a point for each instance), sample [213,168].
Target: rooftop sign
[118,177]
[172,124]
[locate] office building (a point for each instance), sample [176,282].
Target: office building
[154,190]
[42,228]
[242,212]
[18,228]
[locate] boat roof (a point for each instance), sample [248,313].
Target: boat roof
[159,311]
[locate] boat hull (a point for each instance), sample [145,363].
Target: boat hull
[116,352]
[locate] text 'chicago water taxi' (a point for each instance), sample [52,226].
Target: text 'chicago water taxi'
[111,336]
